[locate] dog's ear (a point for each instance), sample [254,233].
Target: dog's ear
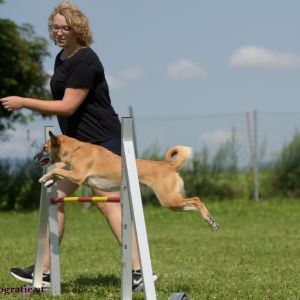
[54,139]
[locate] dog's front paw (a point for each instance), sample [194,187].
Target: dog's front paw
[212,223]
[47,182]
[43,179]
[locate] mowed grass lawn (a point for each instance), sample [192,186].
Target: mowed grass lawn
[254,255]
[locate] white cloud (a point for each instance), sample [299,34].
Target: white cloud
[261,58]
[218,136]
[185,69]
[123,78]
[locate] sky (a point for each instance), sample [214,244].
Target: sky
[182,63]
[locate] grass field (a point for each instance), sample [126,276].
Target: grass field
[254,255]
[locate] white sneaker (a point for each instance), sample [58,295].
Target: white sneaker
[137,280]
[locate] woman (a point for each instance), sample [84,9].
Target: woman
[83,107]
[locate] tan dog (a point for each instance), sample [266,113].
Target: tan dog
[99,168]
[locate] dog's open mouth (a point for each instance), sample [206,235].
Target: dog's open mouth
[43,158]
[44,161]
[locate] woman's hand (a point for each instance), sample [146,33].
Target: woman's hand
[13,103]
[72,99]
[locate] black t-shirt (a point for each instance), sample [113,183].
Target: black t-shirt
[95,120]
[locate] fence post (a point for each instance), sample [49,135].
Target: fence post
[256,181]
[133,131]
[252,136]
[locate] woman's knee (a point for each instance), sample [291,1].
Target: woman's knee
[110,210]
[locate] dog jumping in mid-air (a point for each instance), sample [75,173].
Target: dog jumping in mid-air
[99,168]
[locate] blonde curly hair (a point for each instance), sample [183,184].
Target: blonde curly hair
[76,19]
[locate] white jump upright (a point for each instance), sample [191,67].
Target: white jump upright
[132,212]
[132,217]
[47,222]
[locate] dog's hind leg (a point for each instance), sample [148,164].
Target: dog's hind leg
[185,204]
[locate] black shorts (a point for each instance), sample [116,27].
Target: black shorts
[113,145]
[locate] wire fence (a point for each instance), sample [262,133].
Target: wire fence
[269,131]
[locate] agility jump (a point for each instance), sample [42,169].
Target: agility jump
[132,213]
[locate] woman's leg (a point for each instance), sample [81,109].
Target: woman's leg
[112,213]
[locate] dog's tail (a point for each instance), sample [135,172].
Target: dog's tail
[181,152]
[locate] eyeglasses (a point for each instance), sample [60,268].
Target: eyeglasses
[56,28]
